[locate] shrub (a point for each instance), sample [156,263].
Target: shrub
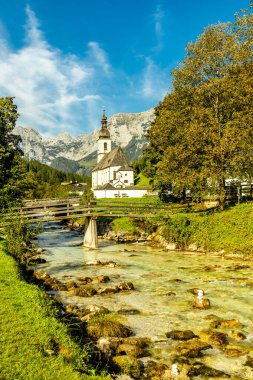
[124,225]
[178,230]
[107,325]
[18,234]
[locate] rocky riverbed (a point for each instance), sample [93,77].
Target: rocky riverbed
[184,316]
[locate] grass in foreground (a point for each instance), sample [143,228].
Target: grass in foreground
[34,345]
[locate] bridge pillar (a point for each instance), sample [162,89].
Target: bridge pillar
[90,234]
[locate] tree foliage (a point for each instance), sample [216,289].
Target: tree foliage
[203,132]
[14,181]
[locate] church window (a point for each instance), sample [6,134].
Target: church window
[125,181]
[114,175]
[105,146]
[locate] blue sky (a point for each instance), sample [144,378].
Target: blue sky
[64,61]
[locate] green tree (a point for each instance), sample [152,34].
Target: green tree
[203,132]
[14,182]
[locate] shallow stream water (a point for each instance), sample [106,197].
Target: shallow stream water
[155,273]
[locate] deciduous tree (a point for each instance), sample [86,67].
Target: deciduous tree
[203,131]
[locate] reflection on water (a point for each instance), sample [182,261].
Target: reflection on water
[162,281]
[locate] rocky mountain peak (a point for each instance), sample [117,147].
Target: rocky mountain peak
[127,131]
[65,137]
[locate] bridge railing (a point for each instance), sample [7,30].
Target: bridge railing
[58,209]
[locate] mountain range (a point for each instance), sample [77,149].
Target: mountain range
[78,154]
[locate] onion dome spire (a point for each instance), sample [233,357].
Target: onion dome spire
[104,132]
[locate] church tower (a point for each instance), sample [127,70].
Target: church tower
[104,139]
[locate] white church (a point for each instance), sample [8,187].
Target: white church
[113,176]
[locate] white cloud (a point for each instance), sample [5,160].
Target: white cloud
[56,92]
[158,21]
[154,81]
[100,57]
[53,91]
[34,36]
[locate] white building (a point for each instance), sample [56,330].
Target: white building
[113,176]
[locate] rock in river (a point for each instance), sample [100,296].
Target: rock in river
[200,302]
[205,372]
[193,348]
[85,291]
[126,285]
[181,334]
[226,323]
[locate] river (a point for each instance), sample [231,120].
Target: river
[162,281]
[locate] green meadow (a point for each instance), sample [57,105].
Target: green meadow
[35,345]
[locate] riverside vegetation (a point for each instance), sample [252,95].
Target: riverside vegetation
[229,231]
[36,341]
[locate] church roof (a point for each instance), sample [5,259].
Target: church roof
[114,158]
[125,168]
[107,186]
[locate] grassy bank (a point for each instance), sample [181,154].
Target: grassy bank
[34,344]
[230,230]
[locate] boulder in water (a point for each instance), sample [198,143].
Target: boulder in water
[155,370]
[193,348]
[36,259]
[71,285]
[234,352]
[130,350]
[226,323]
[181,334]
[196,291]
[127,365]
[205,372]
[84,280]
[85,291]
[238,335]
[215,338]
[126,285]
[249,361]
[200,302]
[109,290]
[101,279]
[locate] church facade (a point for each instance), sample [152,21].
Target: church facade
[113,176]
